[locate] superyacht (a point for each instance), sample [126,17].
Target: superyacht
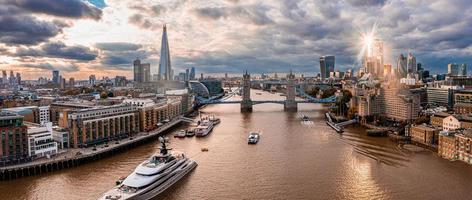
[152,176]
[205,128]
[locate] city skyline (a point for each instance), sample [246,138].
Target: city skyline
[104,37]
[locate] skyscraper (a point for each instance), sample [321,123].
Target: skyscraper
[165,69]
[463,70]
[187,74]
[373,59]
[401,66]
[137,70]
[453,69]
[411,63]
[192,74]
[141,71]
[55,76]
[18,78]
[326,66]
[4,77]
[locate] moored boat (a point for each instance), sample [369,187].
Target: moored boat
[253,138]
[205,128]
[152,176]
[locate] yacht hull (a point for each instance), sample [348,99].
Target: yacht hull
[179,174]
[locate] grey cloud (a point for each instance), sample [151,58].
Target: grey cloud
[61,8]
[255,14]
[118,46]
[48,66]
[367,2]
[27,30]
[59,50]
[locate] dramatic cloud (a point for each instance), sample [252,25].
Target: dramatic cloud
[231,35]
[62,8]
[19,29]
[59,50]
[118,46]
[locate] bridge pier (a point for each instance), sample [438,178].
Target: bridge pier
[290,106]
[246,104]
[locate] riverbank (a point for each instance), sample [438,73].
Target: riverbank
[75,157]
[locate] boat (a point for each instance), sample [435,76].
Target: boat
[153,176]
[204,128]
[214,119]
[180,134]
[204,149]
[305,118]
[190,133]
[377,133]
[253,138]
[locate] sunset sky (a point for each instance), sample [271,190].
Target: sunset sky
[99,37]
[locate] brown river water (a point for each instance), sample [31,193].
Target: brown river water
[293,160]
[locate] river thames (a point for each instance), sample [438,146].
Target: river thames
[293,160]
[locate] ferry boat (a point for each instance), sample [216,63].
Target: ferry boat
[253,138]
[214,119]
[205,128]
[153,176]
[305,118]
[190,133]
[180,134]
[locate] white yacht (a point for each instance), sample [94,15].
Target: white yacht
[152,176]
[214,119]
[253,138]
[205,128]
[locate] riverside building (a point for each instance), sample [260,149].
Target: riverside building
[14,138]
[101,124]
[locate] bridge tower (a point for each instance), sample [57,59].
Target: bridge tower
[246,103]
[290,103]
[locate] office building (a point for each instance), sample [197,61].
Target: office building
[142,71]
[44,115]
[71,82]
[101,124]
[165,68]
[192,74]
[401,66]
[463,70]
[120,81]
[14,138]
[41,142]
[453,69]
[55,76]
[327,64]
[92,80]
[440,96]
[214,86]
[424,134]
[411,64]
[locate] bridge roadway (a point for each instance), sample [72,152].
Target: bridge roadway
[258,102]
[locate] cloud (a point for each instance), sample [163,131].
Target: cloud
[255,14]
[59,50]
[18,29]
[118,46]
[67,67]
[61,8]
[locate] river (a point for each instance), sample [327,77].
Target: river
[293,160]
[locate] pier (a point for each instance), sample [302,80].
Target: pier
[338,127]
[77,157]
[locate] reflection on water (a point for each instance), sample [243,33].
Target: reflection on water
[293,160]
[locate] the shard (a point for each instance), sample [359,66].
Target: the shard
[165,69]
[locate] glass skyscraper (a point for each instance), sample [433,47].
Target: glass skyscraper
[326,66]
[165,69]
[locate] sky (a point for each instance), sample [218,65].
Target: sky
[103,37]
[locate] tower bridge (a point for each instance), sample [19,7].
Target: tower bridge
[290,103]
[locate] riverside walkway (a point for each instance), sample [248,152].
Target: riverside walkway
[75,157]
